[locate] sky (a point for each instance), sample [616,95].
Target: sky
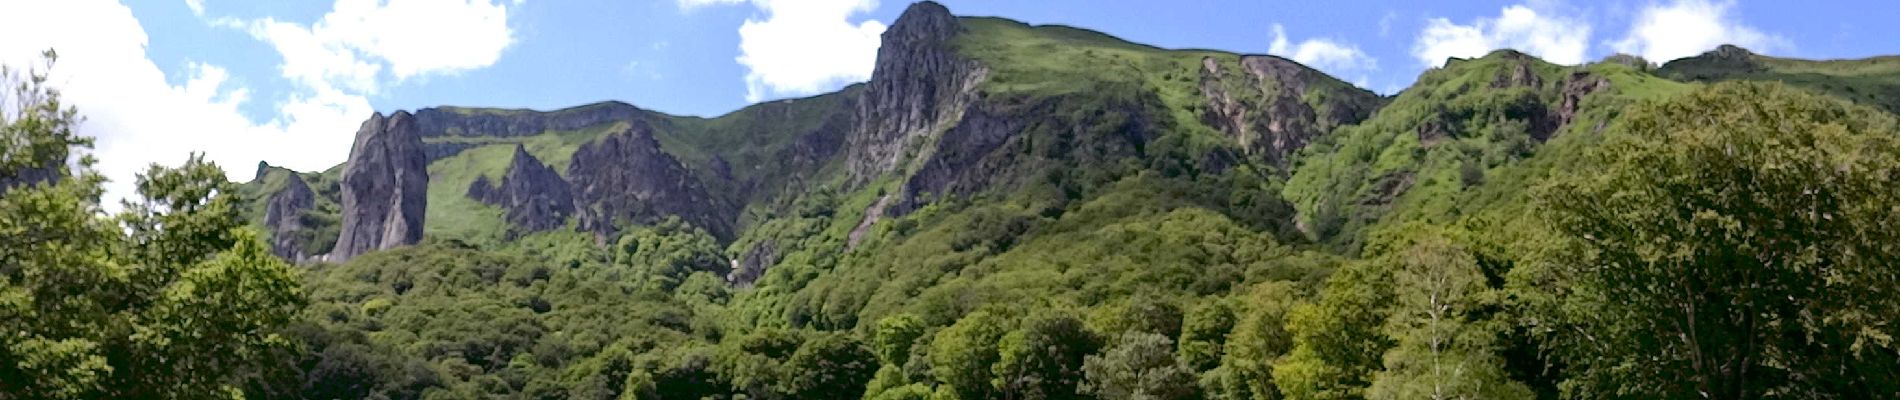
[290,82]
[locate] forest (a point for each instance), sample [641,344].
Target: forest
[1681,234]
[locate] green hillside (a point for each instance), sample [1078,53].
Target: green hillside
[1873,81]
[1084,218]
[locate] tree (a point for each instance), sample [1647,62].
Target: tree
[1442,350]
[669,252]
[962,354]
[1337,343]
[1257,343]
[172,302]
[1736,242]
[1204,334]
[1043,359]
[832,366]
[895,335]
[1140,365]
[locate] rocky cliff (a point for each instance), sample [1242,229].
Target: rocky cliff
[283,217]
[919,84]
[626,177]
[444,122]
[1273,106]
[385,187]
[535,197]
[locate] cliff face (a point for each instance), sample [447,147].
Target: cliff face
[919,84]
[283,217]
[455,121]
[537,198]
[1264,104]
[626,177]
[385,187]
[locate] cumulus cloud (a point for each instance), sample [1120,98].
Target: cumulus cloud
[1683,28]
[1334,57]
[802,47]
[1539,31]
[141,118]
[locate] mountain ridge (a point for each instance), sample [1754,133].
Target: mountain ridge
[1262,112]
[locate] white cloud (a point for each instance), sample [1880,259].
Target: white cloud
[141,118]
[1331,56]
[1688,27]
[138,117]
[413,37]
[803,47]
[1538,30]
[197,7]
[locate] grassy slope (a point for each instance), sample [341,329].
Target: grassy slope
[1871,81]
[1145,227]
[1380,173]
[452,215]
[321,220]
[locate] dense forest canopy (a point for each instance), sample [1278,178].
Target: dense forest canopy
[1150,226]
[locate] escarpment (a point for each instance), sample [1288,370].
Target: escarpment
[917,87]
[536,198]
[626,177]
[284,217]
[385,187]
[1273,106]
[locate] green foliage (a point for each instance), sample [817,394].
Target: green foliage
[1873,81]
[1204,334]
[1105,208]
[1444,347]
[1043,359]
[894,337]
[1140,365]
[665,254]
[1724,225]
[831,366]
[171,300]
[961,355]
[1337,342]
[1255,345]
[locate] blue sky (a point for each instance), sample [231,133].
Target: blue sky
[289,81]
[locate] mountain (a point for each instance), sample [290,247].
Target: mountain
[996,191]
[1872,81]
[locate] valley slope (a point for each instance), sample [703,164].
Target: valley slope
[990,171]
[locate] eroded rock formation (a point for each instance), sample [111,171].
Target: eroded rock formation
[385,188]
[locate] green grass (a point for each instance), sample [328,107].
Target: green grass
[1489,159]
[451,214]
[1871,81]
[1051,61]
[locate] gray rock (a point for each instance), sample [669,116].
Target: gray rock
[283,216]
[752,265]
[385,188]
[1264,105]
[626,178]
[919,83]
[536,198]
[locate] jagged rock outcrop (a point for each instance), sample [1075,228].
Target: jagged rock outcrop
[919,84]
[535,197]
[626,178]
[283,216]
[751,265]
[1266,105]
[457,121]
[1520,73]
[385,188]
[1579,86]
